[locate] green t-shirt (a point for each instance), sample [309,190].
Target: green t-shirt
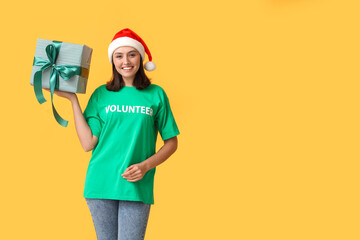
[127,123]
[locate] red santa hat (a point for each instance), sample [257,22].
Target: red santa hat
[127,37]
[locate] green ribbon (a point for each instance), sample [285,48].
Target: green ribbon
[65,71]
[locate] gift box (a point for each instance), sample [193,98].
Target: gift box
[61,66]
[69,54]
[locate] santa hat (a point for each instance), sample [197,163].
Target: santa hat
[126,37]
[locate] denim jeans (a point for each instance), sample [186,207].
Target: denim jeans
[118,219]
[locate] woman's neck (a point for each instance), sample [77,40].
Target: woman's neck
[128,82]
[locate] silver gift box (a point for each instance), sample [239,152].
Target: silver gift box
[70,54]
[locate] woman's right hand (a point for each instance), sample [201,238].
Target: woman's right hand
[67,95]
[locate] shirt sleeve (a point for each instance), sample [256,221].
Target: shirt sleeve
[91,115]
[164,119]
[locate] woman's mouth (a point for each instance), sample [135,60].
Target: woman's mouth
[127,68]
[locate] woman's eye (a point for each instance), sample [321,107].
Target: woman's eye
[132,55]
[118,56]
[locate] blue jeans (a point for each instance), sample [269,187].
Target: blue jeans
[118,219]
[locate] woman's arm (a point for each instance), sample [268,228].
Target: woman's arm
[87,139]
[137,171]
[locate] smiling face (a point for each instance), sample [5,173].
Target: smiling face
[127,62]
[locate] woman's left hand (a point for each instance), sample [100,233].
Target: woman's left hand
[134,173]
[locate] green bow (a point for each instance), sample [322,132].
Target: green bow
[65,71]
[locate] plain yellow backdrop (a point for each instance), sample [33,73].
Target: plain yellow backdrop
[265,94]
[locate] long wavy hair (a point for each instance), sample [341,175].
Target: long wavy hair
[116,82]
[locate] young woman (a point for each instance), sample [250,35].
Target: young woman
[120,125]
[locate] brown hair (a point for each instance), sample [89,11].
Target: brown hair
[116,82]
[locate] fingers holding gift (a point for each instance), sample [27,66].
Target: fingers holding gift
[63,94]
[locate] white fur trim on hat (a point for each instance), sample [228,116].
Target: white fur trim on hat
[125,41]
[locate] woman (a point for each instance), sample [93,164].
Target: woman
[120,126]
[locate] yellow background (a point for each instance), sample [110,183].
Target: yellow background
[265,94]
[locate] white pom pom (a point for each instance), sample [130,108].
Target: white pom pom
[150,66]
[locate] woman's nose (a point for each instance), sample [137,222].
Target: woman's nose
[126,60]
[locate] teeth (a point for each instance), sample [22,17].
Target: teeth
[128,68]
